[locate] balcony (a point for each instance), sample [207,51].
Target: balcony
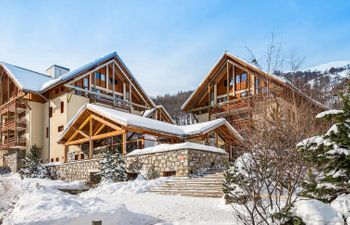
[14,105]
[13,143]
[12,125]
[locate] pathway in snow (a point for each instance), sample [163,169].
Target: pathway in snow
[125,203]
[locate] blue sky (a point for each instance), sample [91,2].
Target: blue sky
[169,45]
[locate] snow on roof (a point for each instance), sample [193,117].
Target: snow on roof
[149,112]
[80,69]
[26,79]
[127,119]
[174,147]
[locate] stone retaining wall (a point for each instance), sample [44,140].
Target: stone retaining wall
[13,159]
[75,170]
[181,162]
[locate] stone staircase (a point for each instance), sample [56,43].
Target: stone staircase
[206,185]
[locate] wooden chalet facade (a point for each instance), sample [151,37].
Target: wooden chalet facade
[233,87]
[36,107]
[97,127]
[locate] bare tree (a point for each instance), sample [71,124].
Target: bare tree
[264,180]
[273,59]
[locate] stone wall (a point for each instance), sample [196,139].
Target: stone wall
[181,162]
[75,170]
[13,159]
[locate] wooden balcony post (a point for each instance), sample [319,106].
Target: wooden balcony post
[124,143]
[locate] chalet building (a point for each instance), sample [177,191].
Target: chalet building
[35,108]
[233,87]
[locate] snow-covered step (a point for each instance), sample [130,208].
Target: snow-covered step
[204,186]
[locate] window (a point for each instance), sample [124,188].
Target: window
[51,159]
[97,76]
[244,77]
[57,159]
[62,107]
[56,91]
[86,83]
[103,77]
[257,82]
[47,132]
[225,83]
[60,128]
[238,79]
[50,112]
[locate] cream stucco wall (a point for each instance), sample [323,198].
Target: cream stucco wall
[35,128]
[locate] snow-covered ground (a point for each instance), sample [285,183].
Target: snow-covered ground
[35,201]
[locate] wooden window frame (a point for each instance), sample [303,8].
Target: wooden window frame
[62,107]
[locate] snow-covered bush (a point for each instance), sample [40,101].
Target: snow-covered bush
[329,154]
[32,167]
[112,166]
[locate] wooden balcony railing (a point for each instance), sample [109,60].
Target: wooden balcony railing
[11,124]
[12,106]
[12,142]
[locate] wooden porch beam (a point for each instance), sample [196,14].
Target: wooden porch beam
[95,137]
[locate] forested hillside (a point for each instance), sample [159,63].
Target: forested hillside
[173,104]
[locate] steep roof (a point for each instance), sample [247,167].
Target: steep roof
[227,56]
[27,80]
[135,121]
[32,81]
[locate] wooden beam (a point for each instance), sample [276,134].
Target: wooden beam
[95,137]
[80,127]
[105,122]
[99,129]
[228,82]
[65,153]
[91,147]
[124,143]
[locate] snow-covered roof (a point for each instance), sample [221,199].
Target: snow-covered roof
[150,112]
[174,147]
[131,120]
[37,82]
[80,69]
[26,79]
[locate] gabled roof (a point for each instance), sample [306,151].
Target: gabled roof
[32,81]
[25,79]
[227,56]
[139,122]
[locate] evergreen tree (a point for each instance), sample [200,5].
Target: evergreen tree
[112,166]
[329,155]
[32,167]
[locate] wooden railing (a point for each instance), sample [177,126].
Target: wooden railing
[12,142]
[11,124]
[12,105]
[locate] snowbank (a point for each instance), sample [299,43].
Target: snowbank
[174,147]
[342,204]
[314,212]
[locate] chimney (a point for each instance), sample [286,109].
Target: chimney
[56,71]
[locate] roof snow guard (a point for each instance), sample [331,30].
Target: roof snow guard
[136,122]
